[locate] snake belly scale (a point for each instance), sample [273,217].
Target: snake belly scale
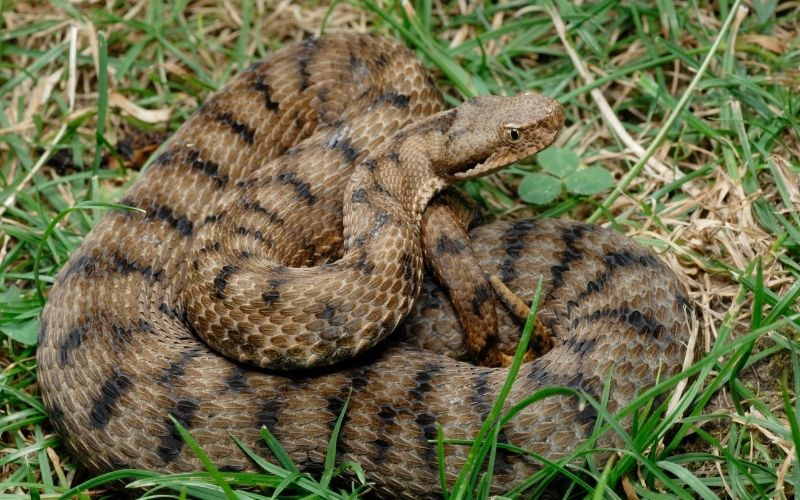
[245,257]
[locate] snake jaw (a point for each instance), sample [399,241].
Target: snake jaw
[505,157]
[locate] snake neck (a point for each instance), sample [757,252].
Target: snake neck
[399,179]
[377,196]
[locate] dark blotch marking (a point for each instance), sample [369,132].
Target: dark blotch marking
[513,243]
[114,386]
[211,247]
[121,334]
[423,380]
[371,164]
[171,443]
[164,158]
[271,296]
[212,219]
[382,448]
[207,167]
[273,293]
[624,259]
[241,129]
[643,324]
[591,386]
[166,309]
[74,339]
[359,196]
[426,421]
[304,60]
[221,281]
[398,100]
[360,379]
[504,460]
[448,245]
[237,381]
[335,404]
[356,64]
[124,266]
[262,87]
[268,414]
[163,213]
[381,219]
[303,189]
[427,424]
[393,156]
[177,369]
[359,240]
[614,261]
[83,265]
[274,218]
[328,314]
[480,397]
[364,264]
[584,347]
[587,415]
[345,146]
[570,254]
[89,266]
[387,414]
[483,294]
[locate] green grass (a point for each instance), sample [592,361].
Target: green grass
[715,102]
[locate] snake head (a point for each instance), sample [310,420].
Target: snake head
[488,133]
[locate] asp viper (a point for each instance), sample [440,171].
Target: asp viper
[282,231]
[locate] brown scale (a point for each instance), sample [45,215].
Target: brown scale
[252,186]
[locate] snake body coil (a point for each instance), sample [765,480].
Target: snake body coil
[244,243]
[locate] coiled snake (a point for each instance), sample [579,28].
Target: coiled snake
[244,242]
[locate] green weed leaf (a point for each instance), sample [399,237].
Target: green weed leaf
[590,180]
[558,161]
[25,332]
[539,189]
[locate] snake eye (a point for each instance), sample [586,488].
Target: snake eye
[513,134]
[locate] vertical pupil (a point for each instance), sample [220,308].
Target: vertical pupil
[514,134]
